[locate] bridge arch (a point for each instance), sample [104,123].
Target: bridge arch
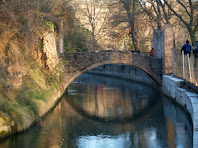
[78,63]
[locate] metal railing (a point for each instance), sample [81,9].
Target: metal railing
[185,67]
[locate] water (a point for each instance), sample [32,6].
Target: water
[104,112]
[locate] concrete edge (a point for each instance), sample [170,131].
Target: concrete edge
[188,100]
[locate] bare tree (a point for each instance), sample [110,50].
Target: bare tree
[94,15]
[131,9]
[157,11]
[124,17]
[187,12]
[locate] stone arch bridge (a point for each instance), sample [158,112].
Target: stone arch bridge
[78,63]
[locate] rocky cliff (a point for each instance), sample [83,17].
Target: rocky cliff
[29,83]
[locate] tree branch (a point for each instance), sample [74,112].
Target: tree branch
[179,16]
[147,12]
[184,7]
[192,12]
[166,16]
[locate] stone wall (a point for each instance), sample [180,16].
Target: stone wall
[188,100]
[124,71]
[158,43]
[163,43]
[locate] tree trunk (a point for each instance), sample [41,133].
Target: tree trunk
[133,37]
[192,36]
[131,21]
[94,38]
[61,37]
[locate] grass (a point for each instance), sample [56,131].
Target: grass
[25,103]
[22,115]
[48,26]
[31,98]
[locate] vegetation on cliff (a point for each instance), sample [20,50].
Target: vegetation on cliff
[27,85]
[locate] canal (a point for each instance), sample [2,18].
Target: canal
[105,112]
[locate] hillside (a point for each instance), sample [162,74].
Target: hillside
[29,80]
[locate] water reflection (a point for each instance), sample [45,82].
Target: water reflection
[162,124]
[121,141]
[178,127]
[111,100]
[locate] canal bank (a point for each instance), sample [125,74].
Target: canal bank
[171,86]
[31,83]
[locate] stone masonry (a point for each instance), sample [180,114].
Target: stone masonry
[188,100]
[163,43]
[78,63]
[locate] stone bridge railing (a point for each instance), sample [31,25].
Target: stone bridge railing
[78,63]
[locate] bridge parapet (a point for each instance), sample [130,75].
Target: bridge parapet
[77,63]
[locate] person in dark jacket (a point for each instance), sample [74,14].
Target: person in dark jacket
[186,48]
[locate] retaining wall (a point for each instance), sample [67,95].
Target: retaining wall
[124,71]
[171,87]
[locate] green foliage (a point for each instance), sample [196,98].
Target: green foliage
[2,133]
[131,46]
[68,48]
[23,22]
[143,48]
[75,38]
[36,87]
[52,81]
[19,113]
[40,45]
[24,108]
[48,26]
[30,90]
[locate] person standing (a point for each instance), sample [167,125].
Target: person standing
[186,48]
[151,53]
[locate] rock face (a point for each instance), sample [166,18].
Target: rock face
[23,78]
[15,65]
[50,53]
[5,125]
[12,68]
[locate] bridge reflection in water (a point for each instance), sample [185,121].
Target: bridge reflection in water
[112,100]
[107,112]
